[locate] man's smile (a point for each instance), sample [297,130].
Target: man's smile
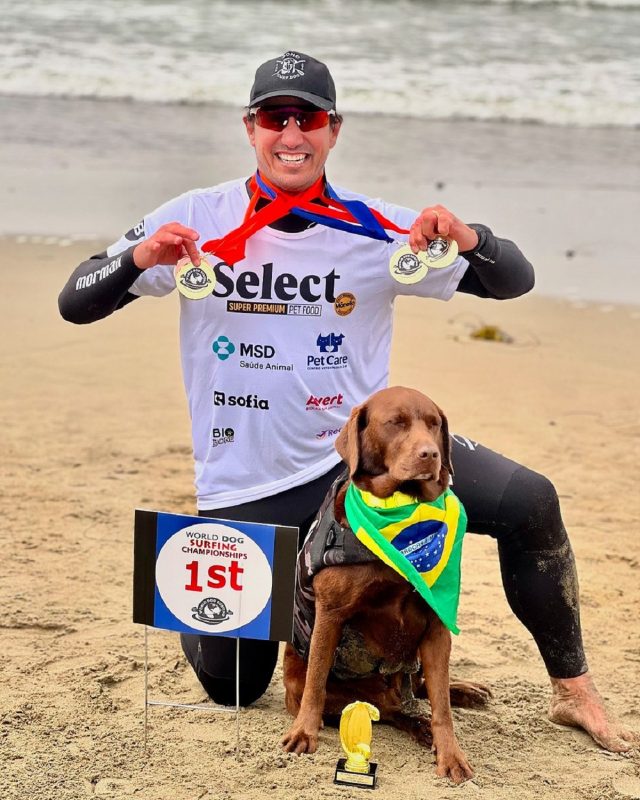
[292,158]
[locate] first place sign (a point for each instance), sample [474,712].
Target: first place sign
[217,577]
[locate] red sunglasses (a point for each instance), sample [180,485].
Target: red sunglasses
[276,119]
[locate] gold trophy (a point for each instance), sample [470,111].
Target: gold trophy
[355,737]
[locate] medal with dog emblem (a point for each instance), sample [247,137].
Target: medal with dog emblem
[441,252]
[408,267]
[195,282]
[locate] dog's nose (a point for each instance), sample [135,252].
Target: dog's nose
[427,453]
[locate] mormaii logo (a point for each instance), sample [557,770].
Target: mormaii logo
[245,401]
[324,403]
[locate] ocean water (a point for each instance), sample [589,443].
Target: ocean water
[559,62]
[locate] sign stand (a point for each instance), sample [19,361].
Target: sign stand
[193,706]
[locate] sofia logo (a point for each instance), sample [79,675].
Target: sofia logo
[289,66]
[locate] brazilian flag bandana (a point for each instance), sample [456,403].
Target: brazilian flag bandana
[421,541]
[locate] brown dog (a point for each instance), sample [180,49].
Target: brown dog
[372,632]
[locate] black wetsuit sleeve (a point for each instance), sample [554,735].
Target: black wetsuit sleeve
[98,287]
[497,268]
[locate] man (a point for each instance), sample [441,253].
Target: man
[304,278]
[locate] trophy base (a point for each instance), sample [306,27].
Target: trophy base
[367,780]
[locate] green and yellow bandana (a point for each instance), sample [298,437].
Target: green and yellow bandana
[421,541]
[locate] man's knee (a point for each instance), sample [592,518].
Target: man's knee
[530,508]
[223,690]
[214,662]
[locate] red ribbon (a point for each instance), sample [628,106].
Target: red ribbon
[231,248]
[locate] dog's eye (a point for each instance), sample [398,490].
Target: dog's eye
[397,422]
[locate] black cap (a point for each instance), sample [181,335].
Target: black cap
[294,75]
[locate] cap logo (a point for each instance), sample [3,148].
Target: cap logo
[289,66]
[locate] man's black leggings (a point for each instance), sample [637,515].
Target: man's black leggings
[516,506]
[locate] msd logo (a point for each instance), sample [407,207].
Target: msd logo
[324,403]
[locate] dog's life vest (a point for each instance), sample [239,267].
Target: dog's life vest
[330,544]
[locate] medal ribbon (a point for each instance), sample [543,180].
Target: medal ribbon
[351,216]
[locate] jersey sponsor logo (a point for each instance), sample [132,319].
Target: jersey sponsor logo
[259,292]
[324,403]
[223,347]
[327,433]
[99,274]
[244,401]
[344,304]
[285,309]
[137,232]
[222,436]
[289,66]
[261,355]
[328,345]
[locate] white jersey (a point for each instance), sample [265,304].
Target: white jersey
[291,339]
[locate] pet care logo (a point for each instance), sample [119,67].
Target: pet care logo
[222,436]
[244,401]
[258,291]
[324,403]
[327,433]
[289,66]
[328,346]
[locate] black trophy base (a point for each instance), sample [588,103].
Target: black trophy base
[367,780]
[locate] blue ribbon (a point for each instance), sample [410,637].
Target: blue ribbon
[369,225]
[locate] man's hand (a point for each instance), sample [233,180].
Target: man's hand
[168,245]
[439,221]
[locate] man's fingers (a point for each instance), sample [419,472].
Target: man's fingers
[180,230]
[192,251]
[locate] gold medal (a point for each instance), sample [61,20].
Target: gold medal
[408,267]
[441,252]
[195,282]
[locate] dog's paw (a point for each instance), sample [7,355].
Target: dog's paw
[452,763]
[300,740]
[465,694]
[418,726]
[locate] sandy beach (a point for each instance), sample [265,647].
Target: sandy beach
[95,424]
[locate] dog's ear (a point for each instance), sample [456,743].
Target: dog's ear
[446,443]
[348,441]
